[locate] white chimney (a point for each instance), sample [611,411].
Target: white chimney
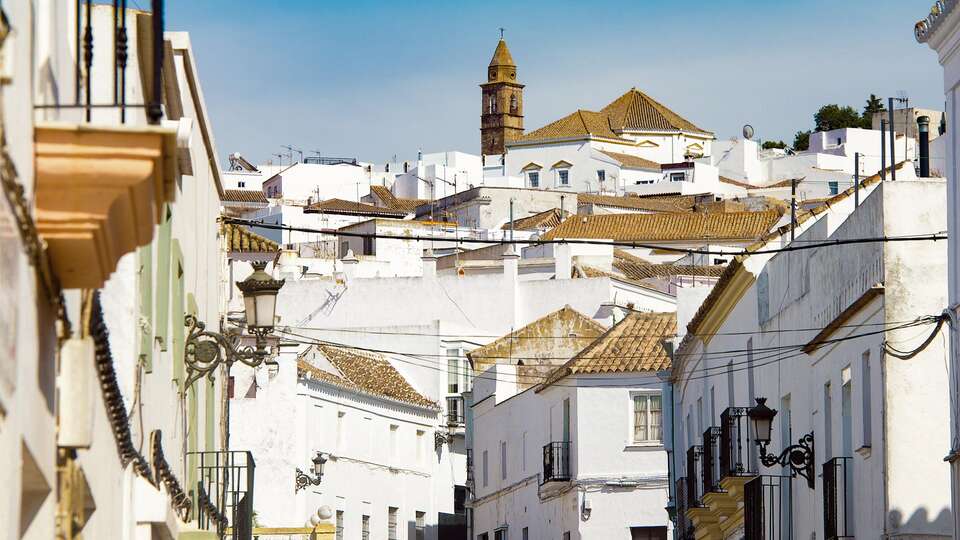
[350,262]
[511,264]
[429,264]
[563,260]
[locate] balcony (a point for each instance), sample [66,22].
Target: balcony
[454,415]
[695,477]
[685,530]
[838,513]
[225,492]
[102,173]
[736,445]
[766,514]
[556,462]
[711,461]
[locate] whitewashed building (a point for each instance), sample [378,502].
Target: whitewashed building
[940,30]
[571,448]
[823,335]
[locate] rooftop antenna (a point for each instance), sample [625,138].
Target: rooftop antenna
[278,156]
[289,152]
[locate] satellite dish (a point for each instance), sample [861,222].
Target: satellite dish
[747,131]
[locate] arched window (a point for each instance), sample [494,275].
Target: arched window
[513,103]
[492,104]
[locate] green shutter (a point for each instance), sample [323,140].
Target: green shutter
[161,321]
[193,420]
[178,331]
[145,255]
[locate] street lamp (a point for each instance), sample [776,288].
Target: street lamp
[798,456]
[205,350]
[303,479]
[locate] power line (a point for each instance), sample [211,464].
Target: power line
[773,356]
[615,243]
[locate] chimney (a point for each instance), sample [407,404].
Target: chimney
[511,263]
[563,260]
[350,262]
[429,264]
[924,123]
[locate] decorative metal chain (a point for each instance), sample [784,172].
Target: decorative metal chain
[180,501]
[207,508]
[112,398]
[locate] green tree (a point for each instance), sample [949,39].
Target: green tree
[801,141]
[874,105]
[767,145]
[834,116]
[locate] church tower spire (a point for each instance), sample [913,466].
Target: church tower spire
[501,116]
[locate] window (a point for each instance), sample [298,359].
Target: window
[339,524]
[699,416]
[525,533]
[648,533]
[533,177]
[503,460]
[365,528]
[368,248]
[731,388]
[453,372]
[677,177]
[566,535]
[514,104]
[834,188]
[563,177]
[391,523]
[484,467]
[241,184]
[718,262]
[647,417]
[483,536]
[566,419]
[865,397]
[421,530]
[500,534]
[601,175]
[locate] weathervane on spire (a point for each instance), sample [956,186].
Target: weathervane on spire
[501,32]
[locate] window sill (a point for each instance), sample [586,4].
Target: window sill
[642,446]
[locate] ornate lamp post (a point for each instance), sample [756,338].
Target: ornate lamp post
[798,456]
[205,350]
[303,479]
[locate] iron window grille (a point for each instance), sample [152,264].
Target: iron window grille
[735,443]
[225,492]
[711,460]
[764,514]
[838,512]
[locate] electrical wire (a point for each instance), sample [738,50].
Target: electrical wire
[615,243]
[907,355]
[772,357]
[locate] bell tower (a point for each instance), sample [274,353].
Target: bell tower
[501,116]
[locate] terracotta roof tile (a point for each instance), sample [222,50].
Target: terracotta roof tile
[547,219]
[631,202]
[541,342]
[636,271]
[632,227]
[393,202]
[363,371]
[637,111]
[633,162]
[633,345]
[578,124]
[340,206]
[240,239]
[244,195]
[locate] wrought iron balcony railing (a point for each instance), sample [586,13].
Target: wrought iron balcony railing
[89,38]
[711,461]
[556,462]
[684,524]
[454,413]
[838,513]
[694,477]
[323,160]
[766,514]
[225,492]
[735,443]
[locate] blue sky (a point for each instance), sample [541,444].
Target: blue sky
[372,79]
